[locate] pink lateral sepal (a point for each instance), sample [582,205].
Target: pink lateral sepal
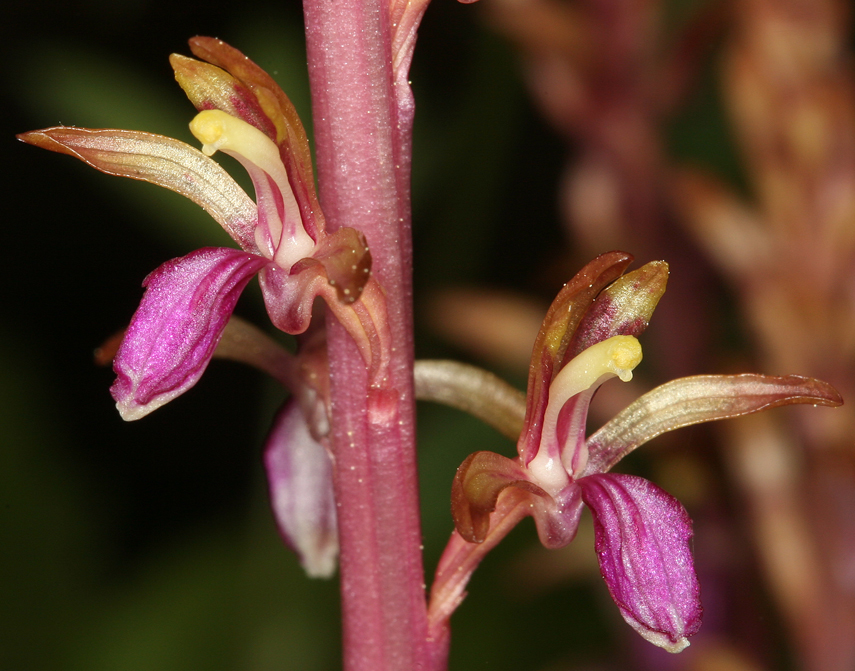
[159,160]
[697,399]
[176,328]
[642,543]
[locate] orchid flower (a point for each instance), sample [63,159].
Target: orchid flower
[281,235]
[642,533]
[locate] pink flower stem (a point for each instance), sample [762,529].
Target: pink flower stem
[363,143]
[461,558]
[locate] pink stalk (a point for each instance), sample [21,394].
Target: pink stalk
[459,561]
[363,142]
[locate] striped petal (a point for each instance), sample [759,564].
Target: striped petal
[176,328]
[163,161]
[696,399]
[642,541]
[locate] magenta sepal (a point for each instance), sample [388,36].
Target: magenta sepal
[176,328]
[300,479]
[642,543]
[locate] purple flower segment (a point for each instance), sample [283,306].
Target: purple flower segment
[642,543]
[176,328]
[299,475]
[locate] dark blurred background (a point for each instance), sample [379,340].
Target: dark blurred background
[149,545]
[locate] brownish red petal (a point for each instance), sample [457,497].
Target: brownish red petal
[210,87]
[240,87]
[550,351]
[476,488]
[622,308]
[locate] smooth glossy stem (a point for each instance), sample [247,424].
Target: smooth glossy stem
[363,152]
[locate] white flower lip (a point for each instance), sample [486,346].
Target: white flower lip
[614,357]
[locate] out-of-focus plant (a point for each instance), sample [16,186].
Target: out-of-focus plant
[790,256]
